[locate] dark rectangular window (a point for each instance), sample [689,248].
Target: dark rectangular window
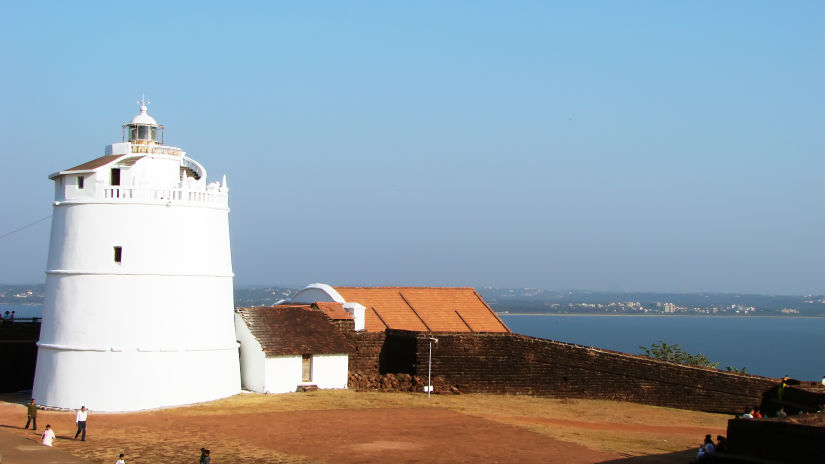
[115,176]
[118,254]
[306,368]
[80,180]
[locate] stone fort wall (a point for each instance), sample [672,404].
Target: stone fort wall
[18,354]
[518,364]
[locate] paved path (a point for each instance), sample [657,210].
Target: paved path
[19,450]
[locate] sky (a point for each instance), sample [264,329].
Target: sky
[639,145]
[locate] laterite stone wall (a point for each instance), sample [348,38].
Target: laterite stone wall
[518,364]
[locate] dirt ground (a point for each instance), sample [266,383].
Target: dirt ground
[350,427]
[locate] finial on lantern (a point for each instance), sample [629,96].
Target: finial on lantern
[143,102]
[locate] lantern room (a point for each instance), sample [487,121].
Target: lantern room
[143,129]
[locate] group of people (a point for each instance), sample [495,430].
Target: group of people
[756,413]
[709,447]
[6,317]
[47,437]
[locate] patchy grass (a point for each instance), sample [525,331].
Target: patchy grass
[597,424]
[618,428]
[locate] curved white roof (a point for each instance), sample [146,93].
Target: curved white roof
[143,118]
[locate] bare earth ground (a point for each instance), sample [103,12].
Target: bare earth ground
[357,427]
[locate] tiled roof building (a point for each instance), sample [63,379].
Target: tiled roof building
[294,330]
[423,309]
[292,346]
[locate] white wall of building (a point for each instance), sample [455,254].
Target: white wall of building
[317,292]
[284,373]
[155,329]
[322,292]
[253,359]
[330,370]
[132,380]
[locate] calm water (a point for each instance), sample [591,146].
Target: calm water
[22,310]
[769,346]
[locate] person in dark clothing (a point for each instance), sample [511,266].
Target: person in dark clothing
[780,392]
[205,457]
[32,412]
[721,444]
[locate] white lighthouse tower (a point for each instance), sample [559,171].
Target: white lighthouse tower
[138,311]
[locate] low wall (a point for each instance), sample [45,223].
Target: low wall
[511,363]
[788,440]
[18,355]
[518,364]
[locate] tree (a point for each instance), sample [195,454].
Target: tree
[743,370]
[673,353]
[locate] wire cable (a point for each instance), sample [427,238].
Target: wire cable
[25,227]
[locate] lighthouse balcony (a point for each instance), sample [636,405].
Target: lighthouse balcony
[213,196]
[176,195]
[155,150]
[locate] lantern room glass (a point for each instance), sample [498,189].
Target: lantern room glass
[144,133]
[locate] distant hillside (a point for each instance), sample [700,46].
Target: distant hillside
[539,301]
[530,300]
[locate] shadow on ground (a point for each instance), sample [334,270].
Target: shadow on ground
[681,457]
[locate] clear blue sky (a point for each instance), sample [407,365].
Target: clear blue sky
[661,145]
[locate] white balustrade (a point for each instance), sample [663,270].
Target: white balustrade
[156,150]
[175,195]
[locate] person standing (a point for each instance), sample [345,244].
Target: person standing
[32,407]
[120,459]
[11,318]
[81,423]
[47,438]
[780,392]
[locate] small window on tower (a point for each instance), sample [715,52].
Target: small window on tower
[80,182]
[115,176]
[118,254]
[306,368]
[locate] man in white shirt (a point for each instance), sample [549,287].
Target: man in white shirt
[81,423]
[120,459]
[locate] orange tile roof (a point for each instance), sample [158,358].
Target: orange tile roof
[334,311]
[424,309]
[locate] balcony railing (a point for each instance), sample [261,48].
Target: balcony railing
[174,195]
[156,150]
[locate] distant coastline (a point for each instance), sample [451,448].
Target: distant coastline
[728,316]
[532,301]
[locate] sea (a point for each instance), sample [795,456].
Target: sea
[767,346]
[763,345]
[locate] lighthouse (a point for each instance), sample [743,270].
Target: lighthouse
[138,308]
